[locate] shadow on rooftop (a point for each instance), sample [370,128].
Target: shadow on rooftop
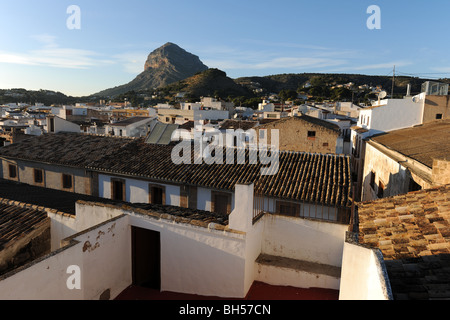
[258,291]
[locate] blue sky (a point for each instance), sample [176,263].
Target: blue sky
[242,38]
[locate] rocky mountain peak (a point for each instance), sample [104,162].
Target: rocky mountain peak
[172,56]
[165,65]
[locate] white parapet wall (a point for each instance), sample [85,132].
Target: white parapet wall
[304,239]
[363,275]
[65,225]
[90,265]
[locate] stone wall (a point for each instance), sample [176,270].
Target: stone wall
[441,171]
[293,136]
[435,105]
[51,174]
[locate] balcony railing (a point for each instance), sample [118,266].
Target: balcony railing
[315,211]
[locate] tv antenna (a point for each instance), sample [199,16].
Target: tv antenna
[393,84]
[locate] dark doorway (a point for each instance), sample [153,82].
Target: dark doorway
[146,257]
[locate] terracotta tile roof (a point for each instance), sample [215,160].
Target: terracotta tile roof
[422,143]
[188,125]
[17,221]
[69,149]
[60,201]
[413,233]
[359,129]
[315,178]
[196,217]
[305,118]
[238,124]
[128,121]
[64,202]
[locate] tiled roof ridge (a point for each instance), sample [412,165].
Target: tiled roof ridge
[167,216]
[412,231]
[304,176]
[25,205]
[97,135]
[319,122]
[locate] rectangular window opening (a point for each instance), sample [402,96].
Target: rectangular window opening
[38,176]
[118,189]
[12,170]
[288,208]
[380,193]
[67,181]
[372,179]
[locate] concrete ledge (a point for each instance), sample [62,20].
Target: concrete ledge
[277,270]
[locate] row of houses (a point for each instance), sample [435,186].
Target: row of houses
[132,216]
[227,226]
[208,218]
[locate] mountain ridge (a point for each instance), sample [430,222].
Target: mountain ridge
[172,70]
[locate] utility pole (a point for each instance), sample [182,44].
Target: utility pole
[393,83]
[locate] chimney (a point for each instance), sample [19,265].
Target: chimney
[408,90]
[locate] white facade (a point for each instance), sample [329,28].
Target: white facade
[190,105]
[57,124]
[266,107]
[65,111]
[212,103]
[137,191]
[178,116]
[136,129]
[386,115]
[392,114]
[348,108]
[211,115]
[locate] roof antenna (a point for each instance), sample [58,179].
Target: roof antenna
[393,83]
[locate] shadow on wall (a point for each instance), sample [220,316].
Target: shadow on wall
[398,183]
[427,280]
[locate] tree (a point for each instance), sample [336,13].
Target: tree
[288,94]
[341,94]
[320,91]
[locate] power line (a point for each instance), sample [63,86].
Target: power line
[423,74]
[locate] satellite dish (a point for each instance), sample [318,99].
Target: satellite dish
[382,94]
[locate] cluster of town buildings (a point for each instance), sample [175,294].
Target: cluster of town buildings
[359,201]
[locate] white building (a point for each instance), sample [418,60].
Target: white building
[406,160]
[190,105]
[384,116]
[56,124]
[65,112]
[348,109]
[178,116]
[215,228]
[131,127]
